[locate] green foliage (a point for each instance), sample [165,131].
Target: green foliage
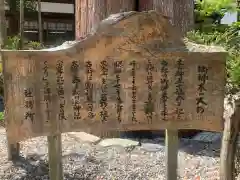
[209,12]
[208,7]
[30,5]
[230,40]
[14,43]
[1,116]
[33,45]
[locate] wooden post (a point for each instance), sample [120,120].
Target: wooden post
[171,144]
[229,143]
[40,28]
[21,25]
[55,157]
[13,151]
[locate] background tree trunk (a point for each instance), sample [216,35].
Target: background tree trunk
[13,20]
[21,23]
[40,29]
[180,12]
[238,12]
[2,24]
[90,12]
[229,141]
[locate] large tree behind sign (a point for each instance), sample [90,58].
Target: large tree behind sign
[90,12]
[2,23]
[180,12]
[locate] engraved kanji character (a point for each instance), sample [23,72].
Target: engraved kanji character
[164,63]
[77,107]
[202,69]
[200,109]
[180,62]
[118,65]
[74,66]
[60,91]
[29,104]
[201,88]
[202,77]
[28,92]
[90,114]
[61,116]
[200,100]
[59,67]
[60,81]
[88,64]
[29,115]
[76,80]
[47,90]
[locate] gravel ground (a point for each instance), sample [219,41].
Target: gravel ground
[83,161]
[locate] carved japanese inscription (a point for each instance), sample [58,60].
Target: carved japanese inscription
[118,65]
[29,104]
[179,92]
[89,89]
[76,94]
[122,84]
[47,91]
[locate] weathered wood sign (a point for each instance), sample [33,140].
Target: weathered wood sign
[132,73]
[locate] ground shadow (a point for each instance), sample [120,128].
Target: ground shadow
[36,168]
[186,144]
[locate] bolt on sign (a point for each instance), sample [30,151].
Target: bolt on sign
[131,73]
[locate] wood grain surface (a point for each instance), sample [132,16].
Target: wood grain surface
[132,73]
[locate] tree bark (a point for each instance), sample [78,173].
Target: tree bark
[180,12]
[13,20]
[21,25]
[90,12]
[40,29]
[229,142]
[238,12]
[183,17]
[2,24]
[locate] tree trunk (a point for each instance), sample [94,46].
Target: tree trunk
[229,141]
[40,29]
[183,17]
[90,12]
[238,12]
[2,24]
[21,25]
[13,19]
[180,12]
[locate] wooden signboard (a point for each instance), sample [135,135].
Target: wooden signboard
[130,74]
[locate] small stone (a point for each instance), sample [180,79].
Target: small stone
[208,137]
[149,147]
[85,137]
[118,142]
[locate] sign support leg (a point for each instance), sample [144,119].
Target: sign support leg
[171,144]
[13,151]
[55,157]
